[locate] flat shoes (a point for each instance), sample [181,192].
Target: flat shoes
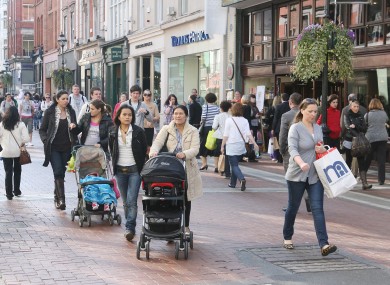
[326,250]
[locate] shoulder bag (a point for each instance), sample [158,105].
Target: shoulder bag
[201,127]
[24,155]
[250,153]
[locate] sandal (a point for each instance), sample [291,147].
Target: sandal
[288,245]
[326,250]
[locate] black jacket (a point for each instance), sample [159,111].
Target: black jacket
[247,113]
[138,145]
[195,111]
[358,120]
[279,111]
[48,130]
[105,127]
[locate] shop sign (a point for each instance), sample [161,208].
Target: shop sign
[90,55]
[116,53]
[230,71]
[144,45]
[190,38]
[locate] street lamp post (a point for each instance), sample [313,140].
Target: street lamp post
[6,65]
[62,41]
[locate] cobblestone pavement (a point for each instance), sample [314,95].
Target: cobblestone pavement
[237,237]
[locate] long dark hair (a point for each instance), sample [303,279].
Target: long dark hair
[11,118]
[99,104]
[169,98]
[124,106]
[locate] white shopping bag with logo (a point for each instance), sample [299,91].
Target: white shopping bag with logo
[334,173]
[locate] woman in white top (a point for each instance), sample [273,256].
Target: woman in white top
[219,127]
[26,111]
[236,131]
[46,103]
[13,134]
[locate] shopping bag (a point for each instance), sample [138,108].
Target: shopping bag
[276,143]
[221,163]
[334,173]
[270,146]
[211,142]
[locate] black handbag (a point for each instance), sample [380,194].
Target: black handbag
[360,145]
[200,130]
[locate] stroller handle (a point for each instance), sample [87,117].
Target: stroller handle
[167,153]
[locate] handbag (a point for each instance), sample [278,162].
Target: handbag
[221,163]
[334,173]
[164,147]
[24,155]
[276,143]
[211,142]
[201,127]
[250,153]
[360,145]
[270,150]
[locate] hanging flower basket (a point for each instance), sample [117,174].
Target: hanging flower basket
[57,77]
[313,49]
[6,79]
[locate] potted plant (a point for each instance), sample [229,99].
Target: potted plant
[66,73]
[318,43]
[6,79]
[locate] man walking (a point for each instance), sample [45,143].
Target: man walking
[279,111]
[95,93]
[76,100]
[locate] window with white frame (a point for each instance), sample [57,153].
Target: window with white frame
[28,44]
[184,7]
[71,31]
[141,14]
[118,19]
[159,11]
[28,12]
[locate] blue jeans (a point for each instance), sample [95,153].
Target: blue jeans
[128,184]
[58,161]
[236,171]
[316,196]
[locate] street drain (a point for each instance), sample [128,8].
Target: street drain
[13,225]
[307,259]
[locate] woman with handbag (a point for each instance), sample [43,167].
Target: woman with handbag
[183,139]
[128,149]
[332,121]
[209,111]
[58,139]
[355,125]
[304,141]
[13,135]
[235,137]
[377,135]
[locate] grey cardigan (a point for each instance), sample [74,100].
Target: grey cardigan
[376,121]
[302,143]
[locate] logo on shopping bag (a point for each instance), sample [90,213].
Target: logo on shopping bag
[338,168]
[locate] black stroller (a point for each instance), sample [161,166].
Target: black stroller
[164,183]
[92,160]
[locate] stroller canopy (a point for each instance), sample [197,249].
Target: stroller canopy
[90,159]
[164,166]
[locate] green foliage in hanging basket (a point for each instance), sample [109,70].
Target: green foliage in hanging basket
[313,48]
[68,77]
[6,79]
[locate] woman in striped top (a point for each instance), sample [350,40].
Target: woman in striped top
[209,111]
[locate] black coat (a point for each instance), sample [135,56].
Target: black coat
[138,146]
[48,130]
[105,127]
[358,120]
[195,111]
[279,111]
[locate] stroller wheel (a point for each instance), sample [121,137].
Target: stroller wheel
[186,250]
[72,215]
[138,250]
[177,250]
[191,240]
[89,220]
[147,245]
[110,219]
[118,219]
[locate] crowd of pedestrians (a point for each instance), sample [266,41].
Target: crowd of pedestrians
[131,133]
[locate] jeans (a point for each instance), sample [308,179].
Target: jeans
[128,184]
[236,171]
[316,196]
[58,161]
[13,168]
[379,148]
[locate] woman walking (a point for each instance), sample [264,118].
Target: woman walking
[153,109]
[304,140]
[95,126]
[169,106]
[13,134]
[58,139]
[236,134]
[183,139]
[209,111]
[332,121]
[376,134]
[26,111]
[355,124]
[128,149]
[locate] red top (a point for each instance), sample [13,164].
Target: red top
[333,122]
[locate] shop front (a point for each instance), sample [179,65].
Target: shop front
[50,63]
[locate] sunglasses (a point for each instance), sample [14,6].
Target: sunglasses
[310,101]
[147,94]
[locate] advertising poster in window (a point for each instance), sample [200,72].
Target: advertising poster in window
[260,92]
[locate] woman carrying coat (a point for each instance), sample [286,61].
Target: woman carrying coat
[58,139]
[355,124]
[13,134]
[183,139]
[376,134]
[128,150]
[95,126]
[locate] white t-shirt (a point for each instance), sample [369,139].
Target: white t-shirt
[93,134]
[235,144]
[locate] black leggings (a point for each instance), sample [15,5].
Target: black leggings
[361,160]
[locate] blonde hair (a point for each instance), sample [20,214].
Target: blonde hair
[277,100]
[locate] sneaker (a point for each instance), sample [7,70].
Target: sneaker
[187,231]
[106,207]
[129,235]
[95,206]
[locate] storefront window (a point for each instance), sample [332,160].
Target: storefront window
[307,13]
[288,29]
[176,77]
[96,75]
[282,25]
[261,31]
[387,9]
[157,77]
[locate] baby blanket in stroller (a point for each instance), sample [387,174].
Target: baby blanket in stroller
[99,193]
